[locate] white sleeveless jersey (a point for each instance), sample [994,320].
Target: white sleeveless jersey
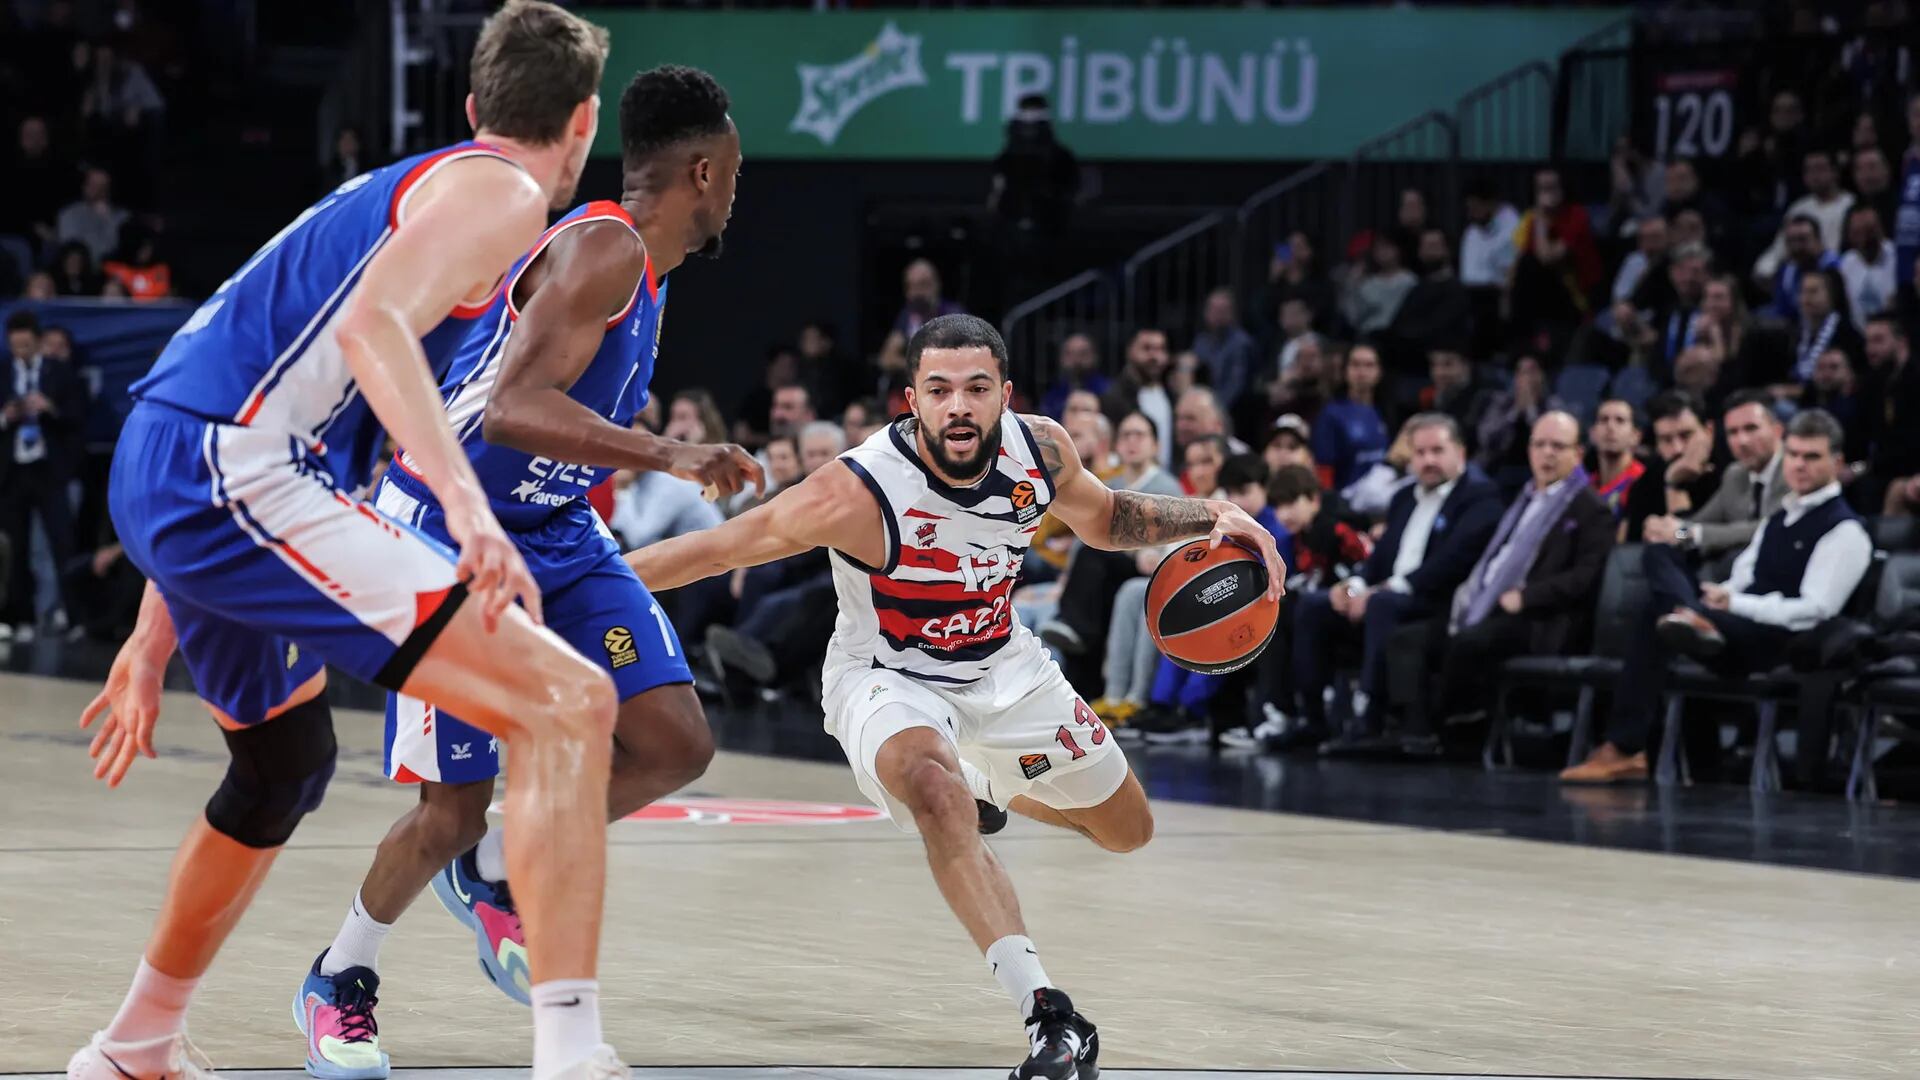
[941,608]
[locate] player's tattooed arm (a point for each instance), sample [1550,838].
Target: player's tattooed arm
[1141,520]
[1050,437]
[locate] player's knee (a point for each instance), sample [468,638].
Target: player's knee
[577,704]
[1131,834]
[277,774]
[452,818]
[936,793]
[687,749]
[664,734]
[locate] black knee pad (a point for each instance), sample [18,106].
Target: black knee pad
[278,774]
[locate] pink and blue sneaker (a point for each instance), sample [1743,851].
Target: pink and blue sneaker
[486,907]
[335,1013]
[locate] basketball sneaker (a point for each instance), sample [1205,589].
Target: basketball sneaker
[335,1013]
[95,1062]
[603,1064]
[1065,1044]
[486,907]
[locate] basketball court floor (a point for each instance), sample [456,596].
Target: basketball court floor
[765,927]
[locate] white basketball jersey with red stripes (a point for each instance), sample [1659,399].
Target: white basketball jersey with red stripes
[941,608]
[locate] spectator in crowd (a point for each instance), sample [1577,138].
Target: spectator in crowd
[74,273]
[1559,263]
[1290,442]
[1296,326]
[692,417]
[1906,218]
[94,221]
[1454,390]
[346,161]
[1683,195]
[1092,435]
[1772,162]
[1198,416]
[831,378]
[1645,262]
[1351,435]
[1826,202]
[1797,571]
[1035,178]
[37,181]
[1225,347]
[139,268]
[783,463]
[1305,384]
[1296,274]
[820,442]
[1724,328]
[1079,370]
[1080,403]
[40,285]
[1531,593]
[1873,183]
[1142,386]
[1896,381]
[1636,184]
[1184,375]
[754,422]
[1486,258]
[1509,415]
[1410,216]
[921,284]
[860,419]
[1435,529]
[1436,313]
[1823,325]
[792,410]
[1835,390]
[1137,446]
[1687,227]
[1615,436]
[1202,459]
[1671,327]
[1374,299]
[1683,476]
[42,407]
[1749,490]
[120,98]
[1804,255]
[1867,268]
[113,288]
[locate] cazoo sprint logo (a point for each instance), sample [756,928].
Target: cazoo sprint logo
[831,95]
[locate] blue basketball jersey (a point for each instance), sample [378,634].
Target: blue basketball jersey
[260,352]
[526,489]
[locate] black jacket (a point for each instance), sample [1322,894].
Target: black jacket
[1460,533]
[62,385]
[1562,582]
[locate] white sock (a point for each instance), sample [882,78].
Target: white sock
[490,856]
[1017,966]
[357,944]
[566,1024]
[977,782]
[154,1012]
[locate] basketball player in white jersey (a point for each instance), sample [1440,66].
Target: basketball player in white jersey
[928,522]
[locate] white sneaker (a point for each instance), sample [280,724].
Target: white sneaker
[24,634]
[6,633]
[603,1064]
[184,1060]
[1245,738]
[57,621]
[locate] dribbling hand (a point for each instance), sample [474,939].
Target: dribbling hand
[490,566]
[721,469]
[131,703]
[1231,522]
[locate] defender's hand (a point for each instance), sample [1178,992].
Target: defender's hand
[131,702]
[490,565]
[722,469]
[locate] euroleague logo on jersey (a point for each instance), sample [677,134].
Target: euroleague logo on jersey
[1023,499]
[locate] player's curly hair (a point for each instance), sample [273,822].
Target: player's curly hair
[667,105]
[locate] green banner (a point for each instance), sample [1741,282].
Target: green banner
[1209,84]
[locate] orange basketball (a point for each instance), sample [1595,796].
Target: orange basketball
[1207,608]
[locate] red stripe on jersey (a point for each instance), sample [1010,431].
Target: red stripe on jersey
[424,605]
[924,514]
[929,559]
[1036,473]
[907,628]
[404,775]
[954,591]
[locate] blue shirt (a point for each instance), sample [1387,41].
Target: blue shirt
[525,489]
[1349,438]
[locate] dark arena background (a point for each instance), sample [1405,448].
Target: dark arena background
[1566,352]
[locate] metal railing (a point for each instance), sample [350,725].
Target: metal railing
[1169,279]
[1306,203]
[1510,118]
[1087,303]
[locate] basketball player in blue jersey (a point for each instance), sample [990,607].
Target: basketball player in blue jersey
[543,395]
[228,492]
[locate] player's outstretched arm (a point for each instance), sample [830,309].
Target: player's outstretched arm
[830,508]
[463,228]
[1122,520]
[585,276]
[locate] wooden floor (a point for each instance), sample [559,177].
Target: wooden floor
[1238,940]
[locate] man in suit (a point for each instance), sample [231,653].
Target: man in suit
[42,406]
[1798,571]
[1530,593]
[1749,493]
[1435,530]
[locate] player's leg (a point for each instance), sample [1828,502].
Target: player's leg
[1121,822]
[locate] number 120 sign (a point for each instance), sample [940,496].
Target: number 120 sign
[1693,113]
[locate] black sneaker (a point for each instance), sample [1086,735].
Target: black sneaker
[992,818]
[728,649]
[1065,1045]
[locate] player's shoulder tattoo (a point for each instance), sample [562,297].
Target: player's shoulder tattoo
[1048,437]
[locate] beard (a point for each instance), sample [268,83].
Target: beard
[972,466]
[711,249]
